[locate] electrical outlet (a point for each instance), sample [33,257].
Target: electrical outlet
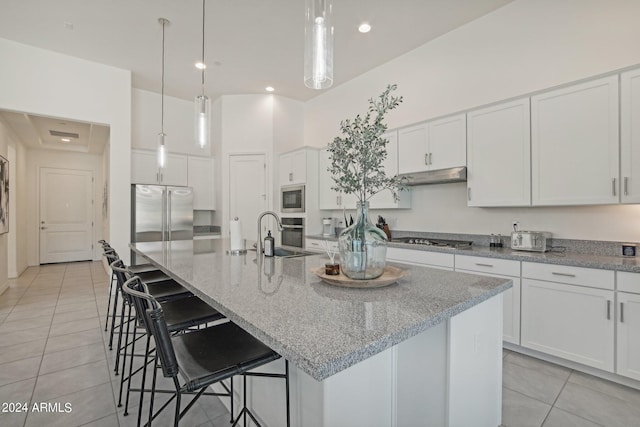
[515,224]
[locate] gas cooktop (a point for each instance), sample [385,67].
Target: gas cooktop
[458,244]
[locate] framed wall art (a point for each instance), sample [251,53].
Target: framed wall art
[4,195]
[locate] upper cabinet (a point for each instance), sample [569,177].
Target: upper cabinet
[201,178]
[498,155]
[145,170]
[438,144]
[293,167]
[630,136]
[333,200]
[574,144]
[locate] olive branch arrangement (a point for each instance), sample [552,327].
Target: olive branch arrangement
[357,158]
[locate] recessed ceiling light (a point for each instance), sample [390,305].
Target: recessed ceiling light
[65,140]
[364,27]
[68,25]
[269,89]
[201,65]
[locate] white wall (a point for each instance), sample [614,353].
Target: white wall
[178,123]
[37,159]
[526,46]
[47,83]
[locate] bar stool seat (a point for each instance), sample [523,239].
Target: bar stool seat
[166,290]
[188,312]
[150,276]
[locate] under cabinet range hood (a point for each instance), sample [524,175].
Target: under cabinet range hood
[440,176]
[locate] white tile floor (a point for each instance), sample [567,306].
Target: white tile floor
[53,349]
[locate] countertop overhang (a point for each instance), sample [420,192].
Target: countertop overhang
[320,328]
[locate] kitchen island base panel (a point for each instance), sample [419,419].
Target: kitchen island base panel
[448,375]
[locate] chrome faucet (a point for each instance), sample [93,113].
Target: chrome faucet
[273,214]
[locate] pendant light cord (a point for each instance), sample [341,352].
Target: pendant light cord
[162,86]
[203,64]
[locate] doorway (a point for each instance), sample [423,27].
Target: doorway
[247,191]
[66,215]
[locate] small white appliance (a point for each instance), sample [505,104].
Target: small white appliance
[534,241]
[327,227]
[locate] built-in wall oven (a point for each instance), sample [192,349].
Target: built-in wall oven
[293,232]
[292,199]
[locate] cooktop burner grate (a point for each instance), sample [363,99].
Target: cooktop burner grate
[459,244]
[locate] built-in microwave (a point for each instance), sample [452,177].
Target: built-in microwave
[293,232]
[292,199]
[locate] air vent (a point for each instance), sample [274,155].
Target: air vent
[63,134]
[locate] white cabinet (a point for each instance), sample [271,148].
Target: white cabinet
[511,297]
[433,145]
[574,144]
[385,199]
[293,167]
[498,155]
[628,305]
[566,320]
[630,136]
[200,177]
[440,260]
[318,245]
[144,168]
[327,198]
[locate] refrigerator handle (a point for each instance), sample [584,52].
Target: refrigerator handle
[169,225]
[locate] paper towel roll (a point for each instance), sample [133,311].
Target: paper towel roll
[237,243]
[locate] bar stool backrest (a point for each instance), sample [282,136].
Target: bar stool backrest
[154,321]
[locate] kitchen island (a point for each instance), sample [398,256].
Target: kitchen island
[424,351]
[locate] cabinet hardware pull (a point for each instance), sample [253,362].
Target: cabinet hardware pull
[626,185]
[484,265]
[469,193]
[563,274]
[613,185]
[290,176]
[426,159]
[621,312]
[608,309]
[430,158]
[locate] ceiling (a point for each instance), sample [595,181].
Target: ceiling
[250,44]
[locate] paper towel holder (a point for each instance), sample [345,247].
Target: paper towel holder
[240,251]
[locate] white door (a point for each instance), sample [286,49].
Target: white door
[66,215]
[248,192]
[412,149]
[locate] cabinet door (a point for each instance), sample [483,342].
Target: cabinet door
[447,142]
[293,168]
[629,335]
[412,149]
[498,155]
[285,172]
[572,322]
[201,179]
[144,167]
[327,198]
[175,172]
[630,137]
[574,144]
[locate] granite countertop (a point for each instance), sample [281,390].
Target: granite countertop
[320,328]
[576,259]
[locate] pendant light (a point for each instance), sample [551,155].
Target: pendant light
[162,137]
[318,44]
[202,104]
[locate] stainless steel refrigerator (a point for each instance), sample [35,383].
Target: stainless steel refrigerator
[160,213]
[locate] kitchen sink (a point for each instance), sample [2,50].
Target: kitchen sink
[289,253]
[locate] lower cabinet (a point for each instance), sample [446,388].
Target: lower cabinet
[440,260]
[510,298]
[318,245]
[628,305]
[569,321]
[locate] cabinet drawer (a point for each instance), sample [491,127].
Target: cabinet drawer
[488,265]
[603,279]
[410,256]
[628,282]
[318,245]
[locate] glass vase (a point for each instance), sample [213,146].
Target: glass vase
[363,247]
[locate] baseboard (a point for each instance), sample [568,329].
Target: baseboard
[4,287]
[629,382]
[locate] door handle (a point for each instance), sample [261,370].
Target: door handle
[608,309]
[169,214]
[613,186]
[621,312]
[626,185]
